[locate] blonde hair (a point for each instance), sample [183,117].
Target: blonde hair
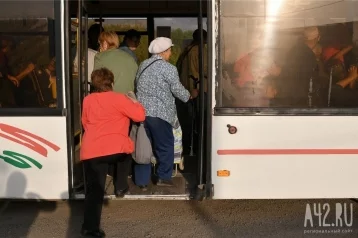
[110,37]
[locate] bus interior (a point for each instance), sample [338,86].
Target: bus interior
[174,19]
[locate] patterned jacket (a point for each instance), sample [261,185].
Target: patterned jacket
[157,88]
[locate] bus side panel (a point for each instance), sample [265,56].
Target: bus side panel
[33,158]
[285,157]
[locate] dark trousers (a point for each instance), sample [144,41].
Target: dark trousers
[189,118]
[161,137]
[185,116]
[96,172]
[7,91]
[113,168]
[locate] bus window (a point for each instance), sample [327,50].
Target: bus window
[27,56]
[286,54]
[182,29]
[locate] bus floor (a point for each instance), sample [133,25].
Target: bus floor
[184,183]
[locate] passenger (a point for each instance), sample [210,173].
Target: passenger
[335,53]
[157,86]
[122,65]
[93,34]
[105,118]
[119,62]
[8,83]
[39,88]
[338,45]
[300,67]
[188,68]
[130,43]
[334,56]
[344,93]
[188,62]
[93,46]
[255,73]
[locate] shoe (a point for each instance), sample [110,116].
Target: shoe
[79,189]
[95,233]
[165,183]
[121,193]
[143,187]
[80,185]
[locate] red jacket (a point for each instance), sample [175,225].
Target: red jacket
[106,119]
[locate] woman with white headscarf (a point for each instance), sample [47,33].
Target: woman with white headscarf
[157,85]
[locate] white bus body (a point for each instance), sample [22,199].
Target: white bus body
[272,155]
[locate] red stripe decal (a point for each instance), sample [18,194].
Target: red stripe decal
[24,138]
[289,152]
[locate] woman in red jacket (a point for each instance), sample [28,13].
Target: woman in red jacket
[106,116]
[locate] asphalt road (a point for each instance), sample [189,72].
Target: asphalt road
[149,219]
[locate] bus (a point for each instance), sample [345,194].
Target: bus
[271,129]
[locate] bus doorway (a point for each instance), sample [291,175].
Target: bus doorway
[176,22]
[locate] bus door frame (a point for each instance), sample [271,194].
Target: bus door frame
[82,75]
[204,188]
[211,70]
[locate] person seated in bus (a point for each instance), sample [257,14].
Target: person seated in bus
[343,91]
[130,43]
[39,88]
[333,58]
[105,118]
[119,62]
[336,53]
[300,67]
[8,83]
[157,85]
[338,45]
[188,69]
[254,75]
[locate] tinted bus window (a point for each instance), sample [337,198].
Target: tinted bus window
[27,56]
[291,54]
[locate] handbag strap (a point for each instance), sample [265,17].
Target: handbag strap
[147,67]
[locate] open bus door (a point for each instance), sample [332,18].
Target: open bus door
[190,182]
[77,87]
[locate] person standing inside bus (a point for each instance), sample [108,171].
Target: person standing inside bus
[188,68]
[130,43]
[157,86]
[106,117]
[123,66]
[93,34]
[300,67]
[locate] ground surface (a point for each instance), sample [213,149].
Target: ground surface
[237,218]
